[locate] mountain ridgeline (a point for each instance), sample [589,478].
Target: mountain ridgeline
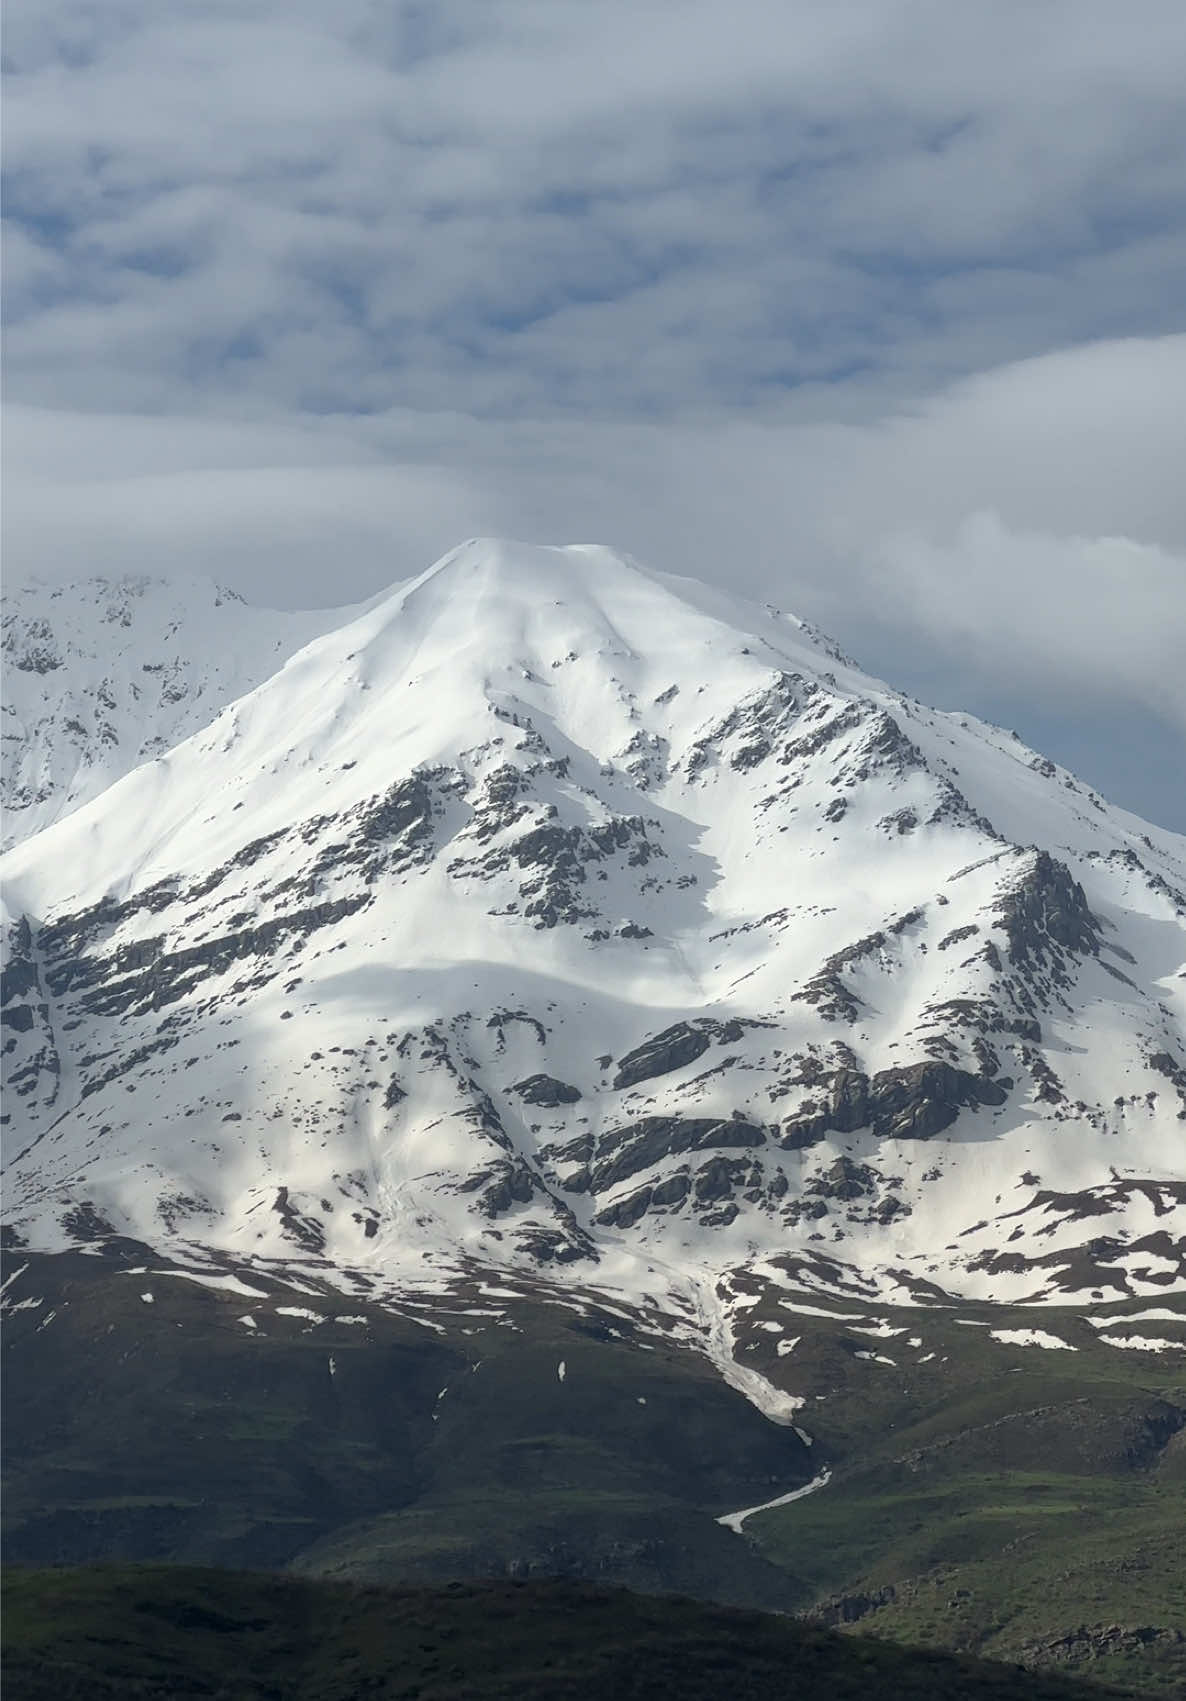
[551,912]
[555,939]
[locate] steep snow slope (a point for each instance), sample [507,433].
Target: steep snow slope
[107,673]
[557,913]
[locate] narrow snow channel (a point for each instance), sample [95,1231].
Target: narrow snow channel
[8,1280]
[734,1520]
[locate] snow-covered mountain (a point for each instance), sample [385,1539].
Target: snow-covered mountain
[553,915]
[105,674]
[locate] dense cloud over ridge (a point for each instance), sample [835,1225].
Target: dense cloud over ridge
[872,306]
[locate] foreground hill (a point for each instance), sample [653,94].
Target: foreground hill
[159,1635]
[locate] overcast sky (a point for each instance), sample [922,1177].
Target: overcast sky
[875,308]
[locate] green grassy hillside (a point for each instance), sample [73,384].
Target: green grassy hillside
[145,1634]
[986,1496]
[1029,1506]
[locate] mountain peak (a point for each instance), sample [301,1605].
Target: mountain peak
[549,911]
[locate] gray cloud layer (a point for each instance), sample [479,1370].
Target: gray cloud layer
[869,306]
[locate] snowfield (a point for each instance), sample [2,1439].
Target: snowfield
[551,915]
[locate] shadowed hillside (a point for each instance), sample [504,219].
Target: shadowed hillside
[172,1635]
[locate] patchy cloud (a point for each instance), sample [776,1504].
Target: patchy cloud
[871,306]
[536,204]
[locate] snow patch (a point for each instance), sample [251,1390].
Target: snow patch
[223,1283]
[8,1280]
[1031,1338]
[1145,1344]
[1155,1314]
[734,1520]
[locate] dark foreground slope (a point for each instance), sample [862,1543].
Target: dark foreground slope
[999,1501]
[369,1445]
[156,1634]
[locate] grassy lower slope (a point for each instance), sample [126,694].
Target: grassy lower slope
[157,1634]
[1031,1509]
[986,1495]
[171,1432]
[1072,1571]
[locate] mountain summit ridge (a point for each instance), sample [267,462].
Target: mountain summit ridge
[552,914]
[98,679]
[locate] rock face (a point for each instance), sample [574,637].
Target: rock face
[659,1056]
[551,913]
[1045,911]
[913,1101]
[626,1151]
[546,1091]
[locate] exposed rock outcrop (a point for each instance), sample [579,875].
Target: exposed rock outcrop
[913,1101]
[672,1049]
[546,1091]
[627,1151]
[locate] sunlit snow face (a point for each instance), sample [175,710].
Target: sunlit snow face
[553,911]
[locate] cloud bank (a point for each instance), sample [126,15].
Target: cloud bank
[872,308]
